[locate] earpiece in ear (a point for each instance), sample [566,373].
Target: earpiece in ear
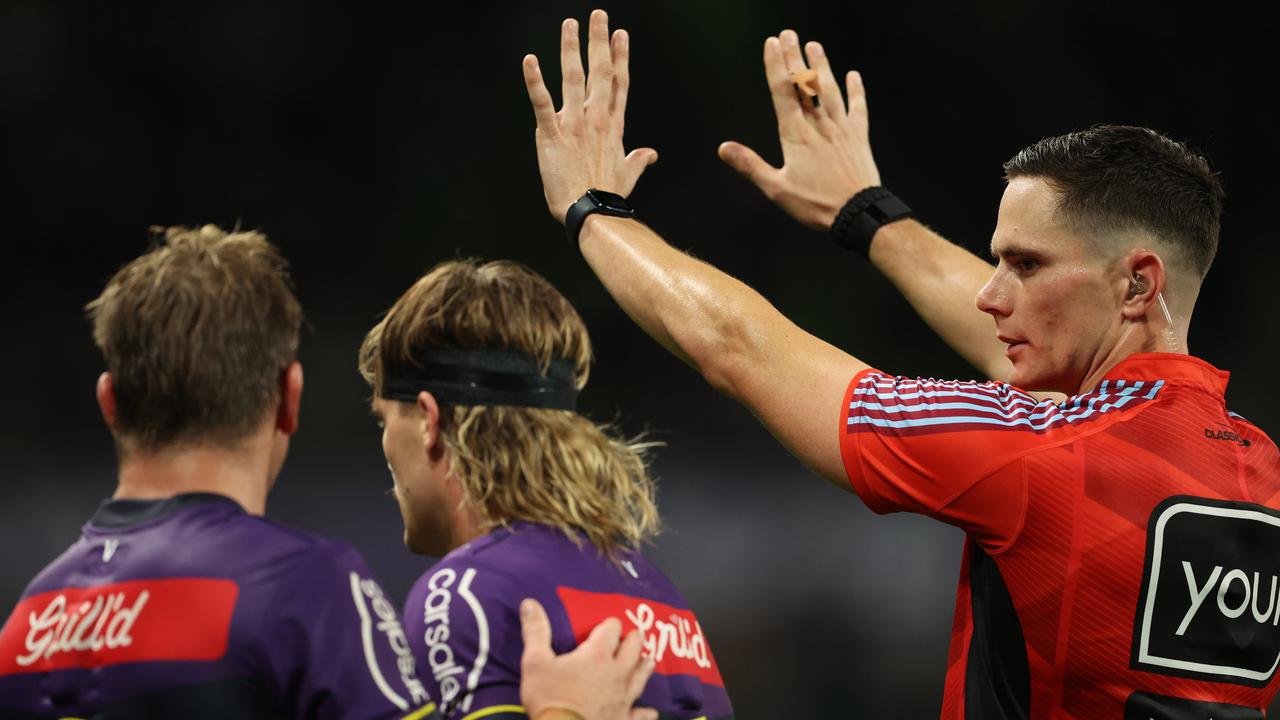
[1137,286]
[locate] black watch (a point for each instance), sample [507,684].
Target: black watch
[595,201]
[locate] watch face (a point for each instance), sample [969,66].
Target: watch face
[611,201]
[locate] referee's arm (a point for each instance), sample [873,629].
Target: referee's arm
[794,382]
[739,342]
[827,160]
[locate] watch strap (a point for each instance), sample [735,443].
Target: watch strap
[865,213]
[586,206]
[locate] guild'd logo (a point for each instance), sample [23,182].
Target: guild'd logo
[1210,601]
[671,636]
[133,621]
[101,624]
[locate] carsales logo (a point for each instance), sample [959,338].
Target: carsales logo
[134,621]
[672,636]
[1210,601]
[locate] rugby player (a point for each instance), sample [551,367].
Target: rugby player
[1123,545]
[179,599]
[475,373]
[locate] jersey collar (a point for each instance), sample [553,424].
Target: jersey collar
[127,513]
[1172,368]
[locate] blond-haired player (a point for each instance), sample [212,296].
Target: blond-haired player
[476,371]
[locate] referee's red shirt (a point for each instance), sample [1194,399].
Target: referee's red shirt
[1123,549]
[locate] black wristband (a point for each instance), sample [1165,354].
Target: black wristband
[595,201]
[864,214]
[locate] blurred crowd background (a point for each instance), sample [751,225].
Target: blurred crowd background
[372,141]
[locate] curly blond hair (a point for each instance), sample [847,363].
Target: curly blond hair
[520,463]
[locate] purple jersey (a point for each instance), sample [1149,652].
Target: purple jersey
[190,607]
[464,627]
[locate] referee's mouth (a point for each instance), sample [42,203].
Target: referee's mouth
[1015,345]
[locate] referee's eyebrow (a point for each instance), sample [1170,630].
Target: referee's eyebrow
[1006,251]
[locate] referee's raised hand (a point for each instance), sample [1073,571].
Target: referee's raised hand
[580,147]
[826,153]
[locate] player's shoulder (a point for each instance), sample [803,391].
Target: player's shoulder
[493,569]
[462,622]
[294,558]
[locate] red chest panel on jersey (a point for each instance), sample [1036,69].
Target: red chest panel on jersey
[672,637]
[134,621]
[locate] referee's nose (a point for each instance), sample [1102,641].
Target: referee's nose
[994,297]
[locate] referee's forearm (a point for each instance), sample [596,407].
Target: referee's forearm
[940,280]
[705,317]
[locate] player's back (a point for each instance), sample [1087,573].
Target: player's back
[1145,575]
[463,624]
[190,607]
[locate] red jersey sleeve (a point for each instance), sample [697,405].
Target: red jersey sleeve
[947,449]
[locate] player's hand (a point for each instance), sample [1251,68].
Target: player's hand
[580,147]
[600,680]
[826,154]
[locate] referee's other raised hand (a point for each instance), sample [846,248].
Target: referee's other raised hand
[580,146]
[826,152]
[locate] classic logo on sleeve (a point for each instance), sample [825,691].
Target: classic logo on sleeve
[672,637]
[1210,606]
[134,621]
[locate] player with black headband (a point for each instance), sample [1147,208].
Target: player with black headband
[179,600]
[1123,545]
[476,371]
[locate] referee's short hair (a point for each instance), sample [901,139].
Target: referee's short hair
[1118,177]
[196,334]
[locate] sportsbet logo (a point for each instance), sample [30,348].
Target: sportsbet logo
[135,621]
[1210,601]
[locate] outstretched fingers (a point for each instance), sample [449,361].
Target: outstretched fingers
[828,88]
[544,109]
[621,49]
[785,103]
[753,167]
[600,75]
[573,78]
[858,116]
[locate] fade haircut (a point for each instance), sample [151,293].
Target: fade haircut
[1116,178]
[519,463]
[196,334]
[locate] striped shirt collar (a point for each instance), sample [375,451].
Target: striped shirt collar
[1175,369]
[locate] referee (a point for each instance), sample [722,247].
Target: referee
[1123,547]
[179,599]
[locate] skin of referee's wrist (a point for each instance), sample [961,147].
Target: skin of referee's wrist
[595,222]
[887,236]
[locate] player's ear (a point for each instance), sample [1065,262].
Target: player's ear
[290,398]
[430,426]
[106,393]
[1145,279]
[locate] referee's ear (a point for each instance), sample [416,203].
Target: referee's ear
[290,398]
[106,393]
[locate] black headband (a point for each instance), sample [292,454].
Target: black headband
[484,377]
